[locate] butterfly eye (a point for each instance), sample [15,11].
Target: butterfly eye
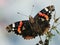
[42,19]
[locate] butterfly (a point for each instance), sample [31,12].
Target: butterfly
[33,27]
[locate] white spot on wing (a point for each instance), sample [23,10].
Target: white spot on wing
[49,11]
[46,9]
[42,19]
[12,28]
[13,25]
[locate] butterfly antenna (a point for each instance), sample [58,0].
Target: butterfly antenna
[22,14]
[32,9]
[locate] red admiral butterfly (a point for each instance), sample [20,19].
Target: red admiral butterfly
[33,27]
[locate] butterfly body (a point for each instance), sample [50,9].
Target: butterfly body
[33,27]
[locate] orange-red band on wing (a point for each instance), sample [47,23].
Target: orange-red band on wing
[19,27]
[43,15]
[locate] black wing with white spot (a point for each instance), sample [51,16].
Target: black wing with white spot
[45,14]
[43,18]
[22,28]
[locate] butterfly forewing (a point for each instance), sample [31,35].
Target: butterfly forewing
[22,28]
[43,18]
